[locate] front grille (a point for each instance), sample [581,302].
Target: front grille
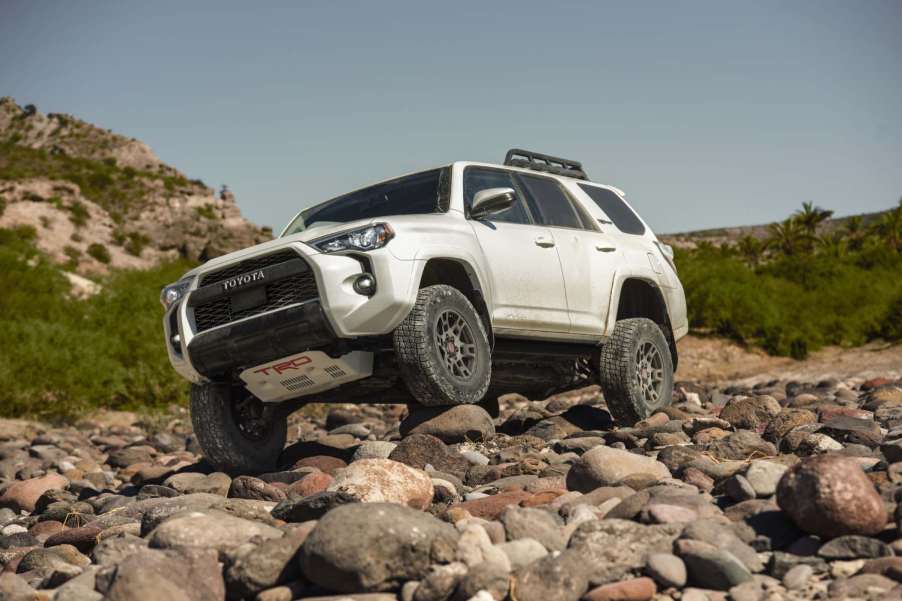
[248,265]
[280,293]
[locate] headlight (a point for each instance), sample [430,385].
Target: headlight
[172,293]
[667,253]
[365,238]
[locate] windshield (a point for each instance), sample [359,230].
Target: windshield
[417,194]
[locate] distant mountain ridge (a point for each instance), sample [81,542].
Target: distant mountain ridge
[97,199]
[730,235]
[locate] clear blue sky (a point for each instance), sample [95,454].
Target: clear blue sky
[707,113]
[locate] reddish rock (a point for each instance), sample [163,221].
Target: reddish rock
[698,479]
[492,507]
[637,589]
[875,383]
[311,484]
[24,494]
[830,495]
[83,538]
[43,530]
[543,498]
[656,419]
[709,435]
[324,463]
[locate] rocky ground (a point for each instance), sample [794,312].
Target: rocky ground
[784,490]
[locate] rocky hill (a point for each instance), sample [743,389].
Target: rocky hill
[97,199]
[731,235]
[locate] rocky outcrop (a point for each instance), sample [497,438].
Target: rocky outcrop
[97,199]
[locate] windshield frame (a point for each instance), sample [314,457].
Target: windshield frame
[442,204]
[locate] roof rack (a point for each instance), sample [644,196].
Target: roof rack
[537,161]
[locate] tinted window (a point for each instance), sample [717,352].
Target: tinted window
[410,195]
[478,178]
[613,206]
[549,202]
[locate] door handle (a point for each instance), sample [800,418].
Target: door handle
[604,248]
[544,242]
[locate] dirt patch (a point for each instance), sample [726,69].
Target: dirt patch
[719,360]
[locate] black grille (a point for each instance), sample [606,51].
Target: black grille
[279,293]
[248,265]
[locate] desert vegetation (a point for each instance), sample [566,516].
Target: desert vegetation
[802,286]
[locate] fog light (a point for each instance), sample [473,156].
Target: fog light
[176,341]
[365,285]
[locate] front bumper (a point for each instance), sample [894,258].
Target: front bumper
[338,312]
[234,347]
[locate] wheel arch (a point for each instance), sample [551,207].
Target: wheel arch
[459,274]
[638,296]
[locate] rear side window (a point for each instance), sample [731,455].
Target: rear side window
[613,206]
[549,202]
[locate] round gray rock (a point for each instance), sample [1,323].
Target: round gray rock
[375,547]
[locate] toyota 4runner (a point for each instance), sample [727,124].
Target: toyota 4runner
[443,287]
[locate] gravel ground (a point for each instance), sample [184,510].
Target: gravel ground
[783,490]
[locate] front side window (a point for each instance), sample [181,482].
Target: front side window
[480,178]
[549,202]
[418,194]
[618,211]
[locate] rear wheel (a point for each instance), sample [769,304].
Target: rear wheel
[636,370]
[237,432]
[442,349]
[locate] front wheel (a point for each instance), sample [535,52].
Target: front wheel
[442,349]
[636,370]
[238,433]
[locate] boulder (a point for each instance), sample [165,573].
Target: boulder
[369,547]
[23,494]
[208,529]
[830,495]
[606,466]
[384,480]
[460,423]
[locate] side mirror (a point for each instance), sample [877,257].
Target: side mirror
[491,201]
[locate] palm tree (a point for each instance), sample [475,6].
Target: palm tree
[855,233]
[751,249]
[889,227]
[810,217]
[789,237]
[834,245]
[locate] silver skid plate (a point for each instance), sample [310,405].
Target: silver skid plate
[305,373]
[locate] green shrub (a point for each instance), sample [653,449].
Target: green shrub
[791,305]
[74,256]
[78,214]
[99,252]
[136,243]
[61,357]
[208,211]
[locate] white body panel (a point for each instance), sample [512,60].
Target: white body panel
[538,282]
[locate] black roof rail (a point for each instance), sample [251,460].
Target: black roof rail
[537,161]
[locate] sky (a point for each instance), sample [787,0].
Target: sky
[707,113]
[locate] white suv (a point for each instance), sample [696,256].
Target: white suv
[441,287]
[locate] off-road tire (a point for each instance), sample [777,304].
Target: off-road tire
[618,370]
[225,445]
[422,366]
